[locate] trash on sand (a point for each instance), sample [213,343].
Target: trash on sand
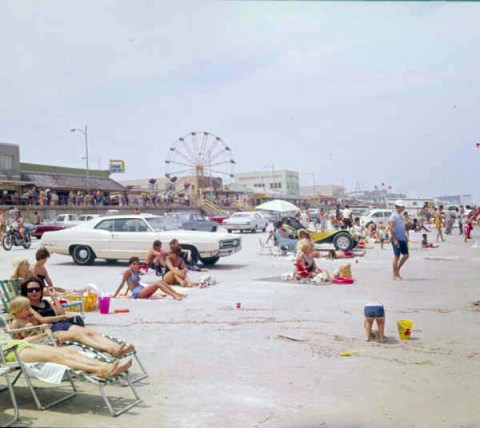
[121,311]
[350,353]
[293,339]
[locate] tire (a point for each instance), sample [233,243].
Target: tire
[38,236]
[111,261]
[264,229]
[7,242]
[83,255]
[254,230]
[214,228]
[229,230]
[343,241]
[209,261]
[27,242]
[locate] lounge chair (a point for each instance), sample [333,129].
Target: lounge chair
[6,371]
[23,369]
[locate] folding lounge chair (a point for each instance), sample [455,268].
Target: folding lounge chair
[69,375]
[5,371]
[265,247]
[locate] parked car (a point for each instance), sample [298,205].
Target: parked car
[87,217]
[191,220]
[219,217]
[375,216]
[246,221]
[123,236]
[61,221]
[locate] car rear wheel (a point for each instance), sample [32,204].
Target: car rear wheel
[83,255]
[209,261]
[343,241]
[254,230]
[229,230]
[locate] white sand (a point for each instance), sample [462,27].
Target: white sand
[212,365]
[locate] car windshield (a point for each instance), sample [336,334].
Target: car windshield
[369,213]
[242,215]
[159,224]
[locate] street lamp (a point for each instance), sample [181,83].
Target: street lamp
[85,134]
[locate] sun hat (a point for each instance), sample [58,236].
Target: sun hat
[399,203]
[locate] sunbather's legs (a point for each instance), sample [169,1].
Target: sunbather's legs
[93,339]
[162,285]
[72,359]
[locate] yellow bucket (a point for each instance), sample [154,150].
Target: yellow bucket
[405,329]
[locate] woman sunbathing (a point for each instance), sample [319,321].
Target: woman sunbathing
[131,277]
[41,312]
[35,353]
[177,269]
[340,254]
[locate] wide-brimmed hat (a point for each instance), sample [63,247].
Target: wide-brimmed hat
[399,203]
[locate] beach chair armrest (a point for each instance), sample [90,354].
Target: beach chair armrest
[28,329]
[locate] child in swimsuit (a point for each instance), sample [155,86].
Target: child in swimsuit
[374,311]
[131,277]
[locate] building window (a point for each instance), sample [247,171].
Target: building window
[6,162]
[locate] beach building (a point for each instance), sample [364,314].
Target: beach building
[278,183]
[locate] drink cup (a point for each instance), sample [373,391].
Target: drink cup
[238,305]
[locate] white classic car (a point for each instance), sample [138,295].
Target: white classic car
[123,236]
[246,221]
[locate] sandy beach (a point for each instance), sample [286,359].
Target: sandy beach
[276,361]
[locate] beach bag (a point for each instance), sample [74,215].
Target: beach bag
[76,320]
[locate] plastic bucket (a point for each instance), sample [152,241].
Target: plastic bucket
[90,302]
[405,329]
[104,304]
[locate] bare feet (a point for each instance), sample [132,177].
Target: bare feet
[122,367]
[179,297]
[108,370]
[397,278]
[123,350]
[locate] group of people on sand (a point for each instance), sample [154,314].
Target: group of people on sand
[32,308]
[305,265]
[172,266]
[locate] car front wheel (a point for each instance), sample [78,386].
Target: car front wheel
[343,241]
[83,255]
[209,261]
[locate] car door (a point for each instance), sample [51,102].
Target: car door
[130,237]
[101,238]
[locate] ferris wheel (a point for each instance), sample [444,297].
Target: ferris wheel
[202,155]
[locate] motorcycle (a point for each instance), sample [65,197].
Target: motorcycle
[12,237]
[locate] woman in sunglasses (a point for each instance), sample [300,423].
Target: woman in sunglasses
[64,330]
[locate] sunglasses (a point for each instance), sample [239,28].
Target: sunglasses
[36,289]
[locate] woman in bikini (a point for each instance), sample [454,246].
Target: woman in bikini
[131,277]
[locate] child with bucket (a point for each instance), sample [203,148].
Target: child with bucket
[374,311]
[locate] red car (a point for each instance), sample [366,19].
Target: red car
[218,218]
[40,229]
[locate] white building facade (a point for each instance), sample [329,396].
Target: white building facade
[275,182]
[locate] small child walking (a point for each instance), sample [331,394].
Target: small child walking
[374,311]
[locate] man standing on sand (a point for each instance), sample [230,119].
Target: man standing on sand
[399,239]
[438,222]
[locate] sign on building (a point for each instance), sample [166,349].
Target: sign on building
[116,166]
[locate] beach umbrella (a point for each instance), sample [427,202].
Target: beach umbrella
[277,205]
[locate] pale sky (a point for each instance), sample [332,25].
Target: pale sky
[350,92]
